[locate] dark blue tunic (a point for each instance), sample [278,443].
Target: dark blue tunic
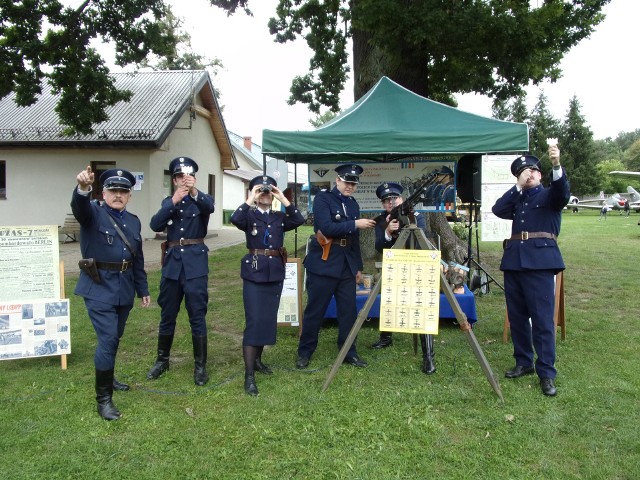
[109,302]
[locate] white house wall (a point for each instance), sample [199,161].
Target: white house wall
[40,181]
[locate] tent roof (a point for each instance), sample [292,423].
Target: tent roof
[391,123]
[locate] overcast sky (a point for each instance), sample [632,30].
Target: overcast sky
[602,71]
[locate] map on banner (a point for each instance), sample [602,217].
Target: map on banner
[410,293]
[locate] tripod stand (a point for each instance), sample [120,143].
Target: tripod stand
[479,278]
[411,237]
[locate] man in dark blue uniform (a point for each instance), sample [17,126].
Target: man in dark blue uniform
[530,261]
[336,217]
[185,267]
[262,269]
[110,238]
[387,230]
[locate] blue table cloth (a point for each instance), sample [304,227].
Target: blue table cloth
[466,300]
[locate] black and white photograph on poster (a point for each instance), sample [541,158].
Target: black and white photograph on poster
[27,311]
[56,309]
[434,176]
[39,328]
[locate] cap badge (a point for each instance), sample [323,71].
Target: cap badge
[119,173]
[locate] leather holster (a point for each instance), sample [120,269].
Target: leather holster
[88,266]
[325,243]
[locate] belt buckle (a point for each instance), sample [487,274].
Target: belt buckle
[180,242]
[524,235]
[343,242]
[124,267]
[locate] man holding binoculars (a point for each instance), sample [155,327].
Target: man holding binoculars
[185,266]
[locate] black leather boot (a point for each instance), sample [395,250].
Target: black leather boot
[162,361]
[428,366]
[200,376]
[250,384]
[104,395]
[384,341]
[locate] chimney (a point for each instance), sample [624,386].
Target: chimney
[247,143]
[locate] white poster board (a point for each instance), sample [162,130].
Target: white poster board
[290,310]
[496,180]
[29,262]
[34,321]
[34,329]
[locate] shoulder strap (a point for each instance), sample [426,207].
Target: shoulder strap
[124,239]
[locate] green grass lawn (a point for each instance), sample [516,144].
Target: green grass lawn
[387,421]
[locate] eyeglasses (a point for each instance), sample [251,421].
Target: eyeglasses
[389,200]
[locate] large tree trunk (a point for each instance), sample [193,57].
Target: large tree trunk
[368,66]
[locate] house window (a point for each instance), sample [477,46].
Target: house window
[3,180]
[98,168]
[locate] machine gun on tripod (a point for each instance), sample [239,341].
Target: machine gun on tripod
[403,213]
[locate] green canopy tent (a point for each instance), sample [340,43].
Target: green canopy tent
[392,123]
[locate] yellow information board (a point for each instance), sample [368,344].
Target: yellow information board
[410,293]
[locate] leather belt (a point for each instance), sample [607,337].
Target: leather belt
[118,266]
[342,241]
[528,235]
[184,241]
[265,251]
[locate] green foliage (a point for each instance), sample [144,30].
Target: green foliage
[461,230]
[430,46]
[47,41]
[385,422]
[632,156]
[576,141]
[610,183]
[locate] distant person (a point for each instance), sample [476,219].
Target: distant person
[603,212]
[530,261]
[185,268]
[336,217]
[627,207]
[262,270]
[112,273]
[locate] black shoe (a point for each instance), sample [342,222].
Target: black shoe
[519,371]
[261,367]
[302,362]
[250,386]
[356,361]
[548,387]
[119,386]
[383,342]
